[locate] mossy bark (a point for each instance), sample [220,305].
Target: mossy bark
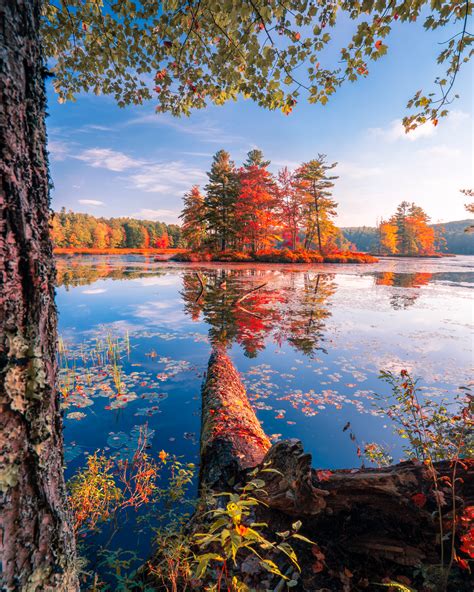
[37,545]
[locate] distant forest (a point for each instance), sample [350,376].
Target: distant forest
[74,230]
[366,238]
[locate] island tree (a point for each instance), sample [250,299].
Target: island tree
[219,203]
[290,205]
[255,207]
[317,183]
[408,232]
[193,227]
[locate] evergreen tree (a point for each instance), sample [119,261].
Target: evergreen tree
[194,228]
[133,234]
[255,158]
[219,203]
[408,232]
[317,183]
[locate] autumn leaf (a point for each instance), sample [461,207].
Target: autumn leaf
[419,499]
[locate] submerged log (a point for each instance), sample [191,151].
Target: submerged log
[232,438]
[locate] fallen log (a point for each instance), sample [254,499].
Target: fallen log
[370,521]
[232,438]
[374,512]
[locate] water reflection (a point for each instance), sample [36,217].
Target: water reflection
[400,300]
[242,306]
[72,271]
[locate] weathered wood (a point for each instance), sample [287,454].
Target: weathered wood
[356,515]
[36,543]
[371,510]
[232,438]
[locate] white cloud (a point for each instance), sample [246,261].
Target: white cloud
[58,150]
[440,151]
[94,291]
[206,130]
[162,215]
[395,131]
[94,127]
[357,171]
[91,202]
[106,158]
[166,177]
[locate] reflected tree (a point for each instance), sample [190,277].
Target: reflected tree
[239,307]
[400,300]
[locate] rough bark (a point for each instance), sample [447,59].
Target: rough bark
[232,438]
[36,544]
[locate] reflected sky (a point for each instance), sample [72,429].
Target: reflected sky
[309,341]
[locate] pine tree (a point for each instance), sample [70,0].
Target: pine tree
[255,158]
[192,215]
[321,208]
[219,203]
[408,232]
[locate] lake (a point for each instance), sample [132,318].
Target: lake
[309,342]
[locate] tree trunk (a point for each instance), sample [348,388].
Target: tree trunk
[37,546]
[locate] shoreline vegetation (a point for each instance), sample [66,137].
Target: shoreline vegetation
[274,256]
[181,255]
[115,251]
[264,256]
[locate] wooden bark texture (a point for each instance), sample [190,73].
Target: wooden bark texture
[36,543]
[232,438]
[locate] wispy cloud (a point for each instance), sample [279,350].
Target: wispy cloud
[94,291]
[205,130]
[58,150]
[357,171]
[440,151]
[92,127]
[162,215]
[166,176]
[105,158]
[91,202]
[395,131]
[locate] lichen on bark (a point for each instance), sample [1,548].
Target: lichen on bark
[37,549]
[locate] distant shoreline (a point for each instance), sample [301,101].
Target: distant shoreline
[118,251]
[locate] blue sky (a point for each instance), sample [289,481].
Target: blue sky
[132,162]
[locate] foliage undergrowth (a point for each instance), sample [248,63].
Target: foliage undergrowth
[274,256]
[434,431]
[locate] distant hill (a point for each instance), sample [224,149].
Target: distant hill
[365,238]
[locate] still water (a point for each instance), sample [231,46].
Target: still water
[309,342]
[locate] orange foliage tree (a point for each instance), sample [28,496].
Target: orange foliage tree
[408,232]
[255,214]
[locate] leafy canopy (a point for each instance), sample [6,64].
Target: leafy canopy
[185,55]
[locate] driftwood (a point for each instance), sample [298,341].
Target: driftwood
[367,520]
